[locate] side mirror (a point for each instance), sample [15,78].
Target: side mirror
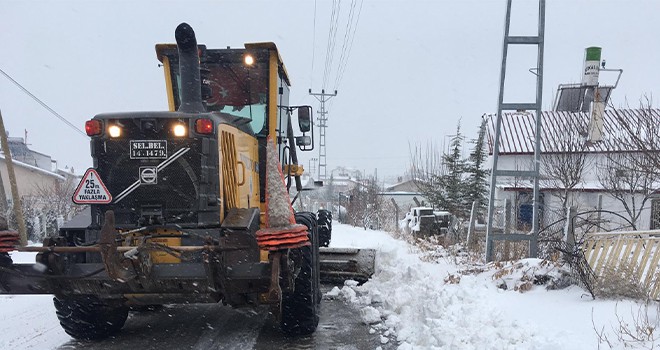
[303,141]
[305,118]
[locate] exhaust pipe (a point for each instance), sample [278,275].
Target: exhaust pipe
[191,83]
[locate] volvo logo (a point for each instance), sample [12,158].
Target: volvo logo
[148,175]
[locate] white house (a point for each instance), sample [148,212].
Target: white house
[37,180]
[34,171]
[564,136]
[404,194]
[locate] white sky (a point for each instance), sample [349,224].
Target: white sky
[415,68]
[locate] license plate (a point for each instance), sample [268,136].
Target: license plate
[148,149]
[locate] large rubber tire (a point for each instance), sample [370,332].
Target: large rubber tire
[324,227]
[300,307]
[89,318]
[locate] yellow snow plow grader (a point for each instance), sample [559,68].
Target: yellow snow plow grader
[179,203]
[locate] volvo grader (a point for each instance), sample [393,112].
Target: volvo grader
[177,200]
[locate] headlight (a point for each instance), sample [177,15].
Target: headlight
[114,131]
[249,60]
[179,130]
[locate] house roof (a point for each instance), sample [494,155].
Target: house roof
[408,186]
[518,130]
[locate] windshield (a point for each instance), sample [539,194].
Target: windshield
[232,88]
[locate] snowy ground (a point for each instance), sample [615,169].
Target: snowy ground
[29,321]
[412,305]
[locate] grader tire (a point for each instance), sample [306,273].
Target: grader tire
[89,318]
[300,307]
[324,227]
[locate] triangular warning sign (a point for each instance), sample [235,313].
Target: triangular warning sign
[91,190]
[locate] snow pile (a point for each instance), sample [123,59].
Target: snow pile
[419,310]
[432,298]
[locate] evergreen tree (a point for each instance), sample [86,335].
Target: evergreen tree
[477,176]
[452,181]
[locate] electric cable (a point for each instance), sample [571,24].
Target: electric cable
[350,47]
[311,75]
[43,104]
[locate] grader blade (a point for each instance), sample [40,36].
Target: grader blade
[340,264]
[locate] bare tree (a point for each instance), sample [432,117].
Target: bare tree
[624,176]
[640,130]
[367,208]
[564,166]
[632,169]
[427,170]
[441,177]
[48,207]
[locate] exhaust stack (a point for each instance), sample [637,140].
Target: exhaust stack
[191,84]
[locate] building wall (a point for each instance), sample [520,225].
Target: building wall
[584,200]
[28,180]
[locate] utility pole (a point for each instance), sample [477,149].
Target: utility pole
[323,119]
[534,173]
[312,165]
[18,212]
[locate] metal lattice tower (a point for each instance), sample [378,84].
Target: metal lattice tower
[533,173]
[322,120]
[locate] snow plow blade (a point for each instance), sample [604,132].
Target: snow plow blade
[340,264]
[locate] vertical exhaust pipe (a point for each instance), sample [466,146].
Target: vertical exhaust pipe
[191,83]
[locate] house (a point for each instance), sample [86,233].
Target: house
[44,189]
[404,193]
[34,171]
[330,194]
[563,140]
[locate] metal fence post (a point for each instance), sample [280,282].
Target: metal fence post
[470,232]
[569,228]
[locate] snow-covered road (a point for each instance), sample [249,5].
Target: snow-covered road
[407,303]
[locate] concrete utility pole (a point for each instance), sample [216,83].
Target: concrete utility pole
[312,165]
[323,119]
[18,211]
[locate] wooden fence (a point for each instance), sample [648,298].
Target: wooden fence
[633,253]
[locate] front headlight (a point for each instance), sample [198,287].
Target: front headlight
[179,130]
[114,131]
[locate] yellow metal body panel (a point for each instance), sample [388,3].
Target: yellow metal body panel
[160,257]
[239,159]
[294,169]
[168,84]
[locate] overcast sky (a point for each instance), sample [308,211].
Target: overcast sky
[415,69]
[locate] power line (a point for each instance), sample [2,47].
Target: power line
[42,103]
[347,32]
[311,75]
[350,47]
[328,44]
[332,39]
